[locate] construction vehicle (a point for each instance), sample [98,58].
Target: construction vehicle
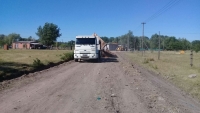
[120,48]
[88,47]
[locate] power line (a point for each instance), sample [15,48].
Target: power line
[137,27]
[159,12]
[168,4]
[162,10]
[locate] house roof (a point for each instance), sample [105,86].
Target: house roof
[24,42]
[36,43]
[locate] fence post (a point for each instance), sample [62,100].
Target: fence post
[191,58]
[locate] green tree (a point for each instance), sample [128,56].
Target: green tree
[184,43]
[134,41]
[111,39]
[196,45]
[116,40]
[2,38]
[48,34]
[170,43]
[154,41]
[30,38]
[146,42]
[105,39]
[63,45]
[12,38]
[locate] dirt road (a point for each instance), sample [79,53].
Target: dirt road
[112,86]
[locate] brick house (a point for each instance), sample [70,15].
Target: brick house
[24,44]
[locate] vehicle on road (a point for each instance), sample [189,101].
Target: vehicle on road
[87,48]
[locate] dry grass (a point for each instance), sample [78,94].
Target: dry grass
[173,66]
[16,61]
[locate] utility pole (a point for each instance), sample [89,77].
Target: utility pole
[143,38]
[159,47]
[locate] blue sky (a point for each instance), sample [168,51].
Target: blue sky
[104,17]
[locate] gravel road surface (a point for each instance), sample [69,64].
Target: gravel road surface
[113,86]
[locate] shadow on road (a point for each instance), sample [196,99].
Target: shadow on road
[103,60]
[109,59]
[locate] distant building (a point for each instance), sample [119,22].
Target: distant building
[26,45]
[111,46]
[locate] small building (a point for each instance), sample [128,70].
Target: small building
[25,45]
[5,47]
[111,46]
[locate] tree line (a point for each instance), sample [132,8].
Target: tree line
[9,39]
[49,33]
[13,37]
[152,43]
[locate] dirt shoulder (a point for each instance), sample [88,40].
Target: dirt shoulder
[159,93]
[110,86]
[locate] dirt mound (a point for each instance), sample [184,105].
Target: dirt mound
[108,54]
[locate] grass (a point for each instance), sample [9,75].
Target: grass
[27,56]
[173,66]
[16,62]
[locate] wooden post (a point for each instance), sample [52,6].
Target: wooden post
[191,58]
[57,45]
[5,47]
[159,47]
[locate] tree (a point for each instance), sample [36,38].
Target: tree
[30,38]
[170,43]
[111,39]
[184,44]
[48,34]
[154,41]
[116,40]
[63,45]
[12,38]
[105,39]
[196,45]
[2,38]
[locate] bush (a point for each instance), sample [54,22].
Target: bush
[155,67]
[67,56]
[37,63]
[146,61]
[151,59]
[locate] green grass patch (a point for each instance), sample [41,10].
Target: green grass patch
[67,56]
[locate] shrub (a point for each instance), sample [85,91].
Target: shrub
[155,67]
[37,63]
[146,61]
[67,56]
[151,59]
